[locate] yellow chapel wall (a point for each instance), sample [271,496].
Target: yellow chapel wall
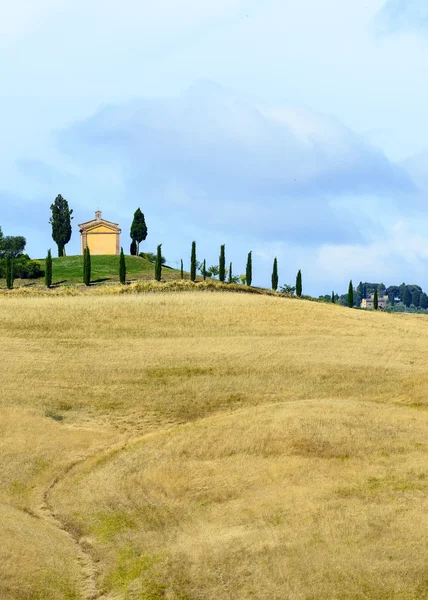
[102,242]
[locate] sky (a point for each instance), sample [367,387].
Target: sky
[296,130]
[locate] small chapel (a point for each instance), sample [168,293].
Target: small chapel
[100,236]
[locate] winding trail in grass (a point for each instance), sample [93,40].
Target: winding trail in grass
[89,572]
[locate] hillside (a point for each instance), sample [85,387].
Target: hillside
[69,269]
[211,446]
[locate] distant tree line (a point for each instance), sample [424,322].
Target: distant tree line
[399,297]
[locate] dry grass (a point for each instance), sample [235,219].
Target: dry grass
[282,453]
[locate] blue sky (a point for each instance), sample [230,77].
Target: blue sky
[292,129]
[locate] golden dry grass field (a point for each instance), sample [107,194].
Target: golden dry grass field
[211,446]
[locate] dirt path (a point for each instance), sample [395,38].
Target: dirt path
[88,569]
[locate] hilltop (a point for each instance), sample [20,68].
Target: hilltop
[105,269]
[209,446]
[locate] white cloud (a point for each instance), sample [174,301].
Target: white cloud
[226,158]
[403,16]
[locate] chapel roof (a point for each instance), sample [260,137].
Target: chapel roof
[98,221]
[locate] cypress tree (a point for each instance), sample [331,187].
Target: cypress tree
[158,264]
[249,270]
[423,301]
[333,299]
[61,223]
[376,300]
[204,269]
[181,270]
[407,297]
[275,275]
[122,268]
[193,263]
[9,272]
[230,273]
[299,283]
[138,229]
[350,295]
[222,264]
[87,266]
[48,270]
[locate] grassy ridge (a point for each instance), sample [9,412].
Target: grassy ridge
[69,269]
[237,446]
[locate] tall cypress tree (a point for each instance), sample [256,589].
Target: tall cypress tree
[193,262]
[181,270]
[87,266]
[249,270]
[350,295]
[10,276]
[407,297]
[230,273]
[138,229]
[222,264]
[122,268]
[48,270]
[158,263]
[204,269]
[275,275]
[61,223]
[333,299]
[423,301]
[299,283]
[376,300]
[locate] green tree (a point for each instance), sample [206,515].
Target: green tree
[415,298]
[376,300]
[350,295]
[360,293]
[12,245]
[230,279]
[61,223]
[407,297]
[299,284]
[138,229]
[222,264]
[333,298]
[10,276]
[122,268]
[275,275]
[213,271]
[87,266]
[423,301]
[133,248]
[249,269]
[158,264]
[181,270]
[48,270]
[204,269]
[287,289]
[193,262]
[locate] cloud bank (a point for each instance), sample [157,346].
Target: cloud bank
[213,156]
[403,16]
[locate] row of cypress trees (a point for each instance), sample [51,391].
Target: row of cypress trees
[87,268]
[222,269]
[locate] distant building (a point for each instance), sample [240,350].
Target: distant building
[100,236]
[368,302]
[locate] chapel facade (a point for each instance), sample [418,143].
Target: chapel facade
[100,236]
